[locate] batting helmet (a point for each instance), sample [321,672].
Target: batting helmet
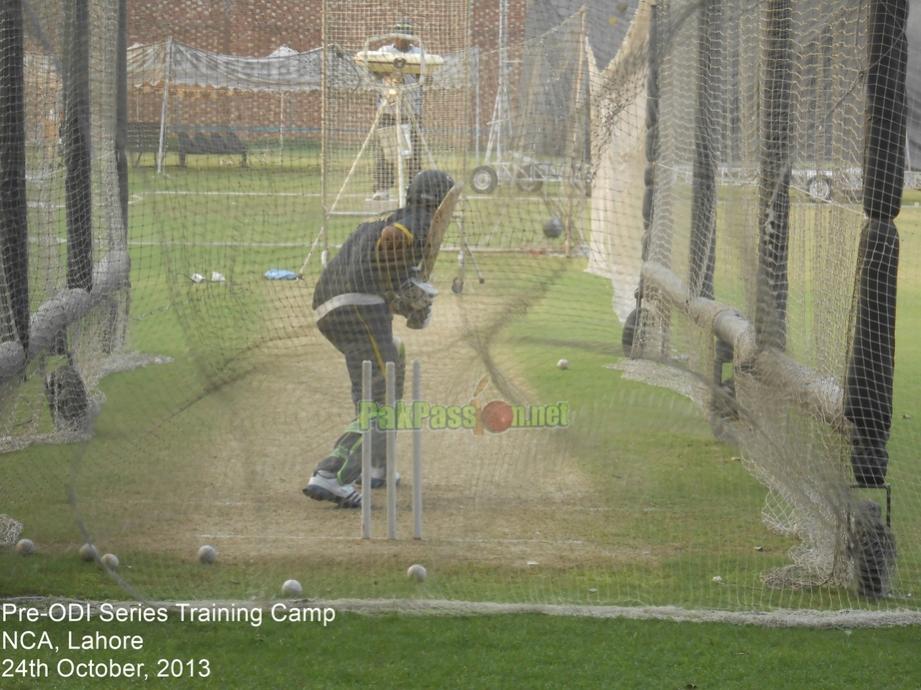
[428,188]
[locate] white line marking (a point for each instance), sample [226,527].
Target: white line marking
[778,618]
[178,192]
[439,540]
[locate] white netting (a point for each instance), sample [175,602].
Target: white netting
[757,169]
[76,250]
[684,179]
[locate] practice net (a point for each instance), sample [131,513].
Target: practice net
[658,369]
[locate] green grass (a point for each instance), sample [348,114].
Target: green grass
[520,651]
[674,489]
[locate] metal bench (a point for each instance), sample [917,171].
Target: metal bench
[226,144]
[142,137]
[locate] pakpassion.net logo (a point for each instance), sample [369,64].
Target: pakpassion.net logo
[496,416]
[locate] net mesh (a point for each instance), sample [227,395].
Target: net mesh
[754,209]
[75,250]
[641,375]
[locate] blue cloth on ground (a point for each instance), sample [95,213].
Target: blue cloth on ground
[280,274]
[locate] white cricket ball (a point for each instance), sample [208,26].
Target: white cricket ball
[416,572]
[207,554]
[110,561]
[88,552]
[25,547]
[563,364]
[292,588]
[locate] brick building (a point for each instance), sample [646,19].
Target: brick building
[254,28]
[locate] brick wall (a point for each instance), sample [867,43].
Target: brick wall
[257,27]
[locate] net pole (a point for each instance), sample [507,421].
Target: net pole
[117,316]
[502,87]
[164,105]
[868,398]
[774,202]
[13,210]
[573,140]
[324,134]
[635,320]
[707,155]
[398,147]
[471,77]
[76,140]
[121,108]
[476,116]
[702,251]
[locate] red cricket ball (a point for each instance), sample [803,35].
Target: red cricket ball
[497,416]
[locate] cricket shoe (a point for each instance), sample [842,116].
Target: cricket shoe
[379,478]
[327,488]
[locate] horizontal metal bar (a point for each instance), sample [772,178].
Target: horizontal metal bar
[821,396]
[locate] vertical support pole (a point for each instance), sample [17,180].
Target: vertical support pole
[575,124]
[707,155]
[121,110]
[634,321]
[476,114]
[164,104]
[116,324]
[732,146]
[76,136]
[391,455]
[367,435]
[281,123]
[652,132]
[417,454]
[502,86]
[868,390]
[707,129]
[324,132]
[14,321]
[774,204]
[398,133]
[827,89]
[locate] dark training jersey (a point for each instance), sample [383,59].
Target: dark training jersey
[358,267]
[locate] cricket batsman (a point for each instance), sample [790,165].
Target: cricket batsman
[381,270]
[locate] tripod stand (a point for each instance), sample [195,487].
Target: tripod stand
[385,74]
[397,79]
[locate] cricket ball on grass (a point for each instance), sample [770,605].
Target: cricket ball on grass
[207,554]
[292,588]
[416,572]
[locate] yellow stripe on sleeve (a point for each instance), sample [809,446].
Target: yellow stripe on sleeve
[406,231]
